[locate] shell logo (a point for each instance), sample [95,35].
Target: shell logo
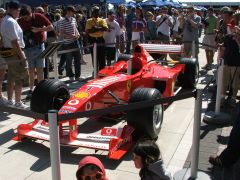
[82,95]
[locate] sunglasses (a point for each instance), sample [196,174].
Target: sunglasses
[98,175]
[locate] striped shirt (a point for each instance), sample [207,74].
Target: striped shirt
[68,26]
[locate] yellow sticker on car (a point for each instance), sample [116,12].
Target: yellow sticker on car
[82,95]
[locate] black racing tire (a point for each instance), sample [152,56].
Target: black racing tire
[46,96]
[190,77]
[148,121]
[124,57]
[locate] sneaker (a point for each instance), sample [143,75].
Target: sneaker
[71,78]
[3,100]
[78,79]
[10,102]
[207,67]
[215,161]
[83,62]
[21,105]
[29,95]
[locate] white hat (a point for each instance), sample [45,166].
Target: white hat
[2,11]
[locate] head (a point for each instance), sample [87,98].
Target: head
[210,11]
[175,12]
[149,15]
[2,14]
[139,12]
[145,153]
[45,7]
[190,10]
[91,168]
[79,17]
[70,11]
[227,15]
[57,16]
[14,8]
[111,16]
[39,10]
[237,32]
[164,10]
[95,12]
[26,13]
[121,9]
[236,18]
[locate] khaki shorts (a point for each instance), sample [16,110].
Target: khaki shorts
[17,71]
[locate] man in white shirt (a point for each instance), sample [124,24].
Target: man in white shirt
[110,37]
[13,40]
[164,24]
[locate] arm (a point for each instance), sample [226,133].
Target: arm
[16,46]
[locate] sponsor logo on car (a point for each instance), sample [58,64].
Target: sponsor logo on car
[82,95]
[70,108]
[73,102]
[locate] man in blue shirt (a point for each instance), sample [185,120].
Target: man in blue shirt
[128,21]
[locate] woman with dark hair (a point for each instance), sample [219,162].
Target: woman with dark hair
[139,26]
[146,156]
[120,18]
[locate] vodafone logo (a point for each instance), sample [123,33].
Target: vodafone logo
[108,131]
[73,102]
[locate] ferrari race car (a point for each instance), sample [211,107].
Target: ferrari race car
[133,78]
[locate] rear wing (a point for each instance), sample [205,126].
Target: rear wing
[163,48]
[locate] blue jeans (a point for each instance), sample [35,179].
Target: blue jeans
[68,57]
[32,54]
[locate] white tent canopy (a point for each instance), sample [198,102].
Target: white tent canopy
[212,2]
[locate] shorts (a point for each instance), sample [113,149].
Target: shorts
[32,56]
[138,36]
[17,71]
[209,39]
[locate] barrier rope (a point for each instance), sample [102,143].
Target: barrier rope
[128,107]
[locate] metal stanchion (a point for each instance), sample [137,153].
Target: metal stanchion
[55,66]
[193,172]
[95,60]
[54,144]
[129,68]
[217,117]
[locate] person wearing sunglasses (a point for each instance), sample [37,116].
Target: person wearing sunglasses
[91,168]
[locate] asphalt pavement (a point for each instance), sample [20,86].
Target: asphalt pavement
[30,160]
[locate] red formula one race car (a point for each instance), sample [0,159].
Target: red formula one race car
[132,78]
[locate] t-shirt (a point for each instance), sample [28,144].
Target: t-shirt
[212,24]
[190,33]
[231,53]
[68,26]
[139,23]
[30,38]
[164,28]
[10,30]
[114,30]
[96,22]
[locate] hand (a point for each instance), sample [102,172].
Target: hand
[36,30]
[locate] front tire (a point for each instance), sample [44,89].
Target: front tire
[49,94]
[148,121]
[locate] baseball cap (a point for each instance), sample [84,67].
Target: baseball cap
[71,8]
[2,11]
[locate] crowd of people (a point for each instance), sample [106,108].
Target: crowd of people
[27,31]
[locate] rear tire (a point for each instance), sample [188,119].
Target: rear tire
[190,76]
[147,122]
[46,96]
